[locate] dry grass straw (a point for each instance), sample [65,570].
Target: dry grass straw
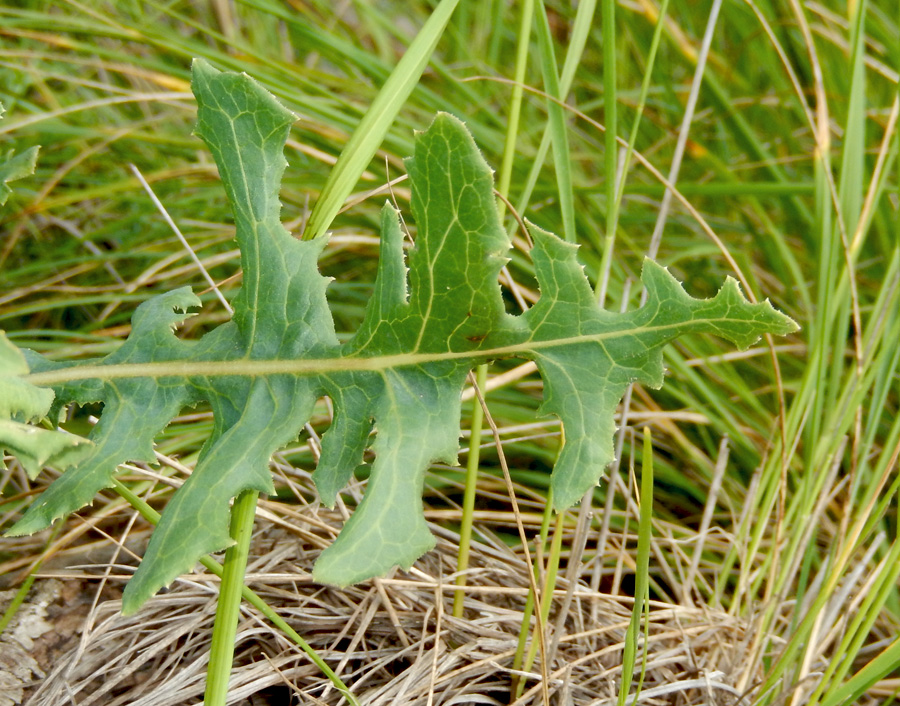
[394,640]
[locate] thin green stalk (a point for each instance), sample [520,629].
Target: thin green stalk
[641,572]
[19,598]
[611,149]
[375,124]
[645,653]
[557,87]
[559,135]
[503,181]
[515,104]
[851,185]
[614,205]
[152,516]
[228,608]
[468,509]
[518,683]
[580,31]
[549,586]
[528,610]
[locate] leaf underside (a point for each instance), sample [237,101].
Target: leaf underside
[402,372]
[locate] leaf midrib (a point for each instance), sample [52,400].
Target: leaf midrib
[310,366]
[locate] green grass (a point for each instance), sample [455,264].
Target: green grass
[791,160]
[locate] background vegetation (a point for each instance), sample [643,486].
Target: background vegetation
[774,553]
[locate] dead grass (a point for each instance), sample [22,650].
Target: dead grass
[391,640]
[394,640]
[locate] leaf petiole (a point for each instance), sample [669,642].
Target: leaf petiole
[228,608]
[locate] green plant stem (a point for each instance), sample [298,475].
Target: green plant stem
[519,657]
[641,572]
[465,530]
[19,598]
[580,33]
[228,608]
[610,148]
[612,215]
[504,177]
[152,516]
[503,181]
[518,683]
[549,586]
[558,133]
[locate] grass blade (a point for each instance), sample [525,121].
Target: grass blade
[558,135]
[641,572]
[377,121]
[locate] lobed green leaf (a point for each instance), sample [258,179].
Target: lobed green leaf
[20,403]
[402,372]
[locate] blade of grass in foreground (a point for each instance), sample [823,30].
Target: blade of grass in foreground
[641,574]
[860,682]
[558,133]
[378,118]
